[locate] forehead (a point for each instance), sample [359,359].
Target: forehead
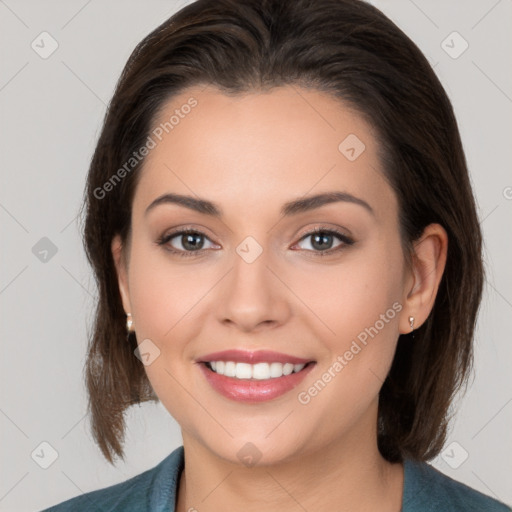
[254,149]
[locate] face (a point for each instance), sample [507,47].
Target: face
[320,285]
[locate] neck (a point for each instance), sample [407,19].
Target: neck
[348,474]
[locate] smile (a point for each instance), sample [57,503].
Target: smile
[253,376]
[259,371]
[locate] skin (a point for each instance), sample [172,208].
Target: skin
[250,154]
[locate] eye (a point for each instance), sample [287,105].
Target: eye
[321,240]
[191,242]
[186,242]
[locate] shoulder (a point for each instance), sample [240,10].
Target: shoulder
[152,490]
[427,489]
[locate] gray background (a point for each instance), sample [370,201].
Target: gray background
[51,110]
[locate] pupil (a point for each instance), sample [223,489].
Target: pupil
[320,241]
[190,241]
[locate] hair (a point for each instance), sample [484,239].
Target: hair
[352,51]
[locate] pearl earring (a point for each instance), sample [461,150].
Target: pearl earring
[411,322]
[129,322]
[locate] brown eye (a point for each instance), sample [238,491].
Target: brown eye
[185,242]
[191,241]
[322,240]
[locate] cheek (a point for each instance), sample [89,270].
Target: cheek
[162,292]
[351,296]
[361,311]
[358,303]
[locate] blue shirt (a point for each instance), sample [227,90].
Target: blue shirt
[425,490]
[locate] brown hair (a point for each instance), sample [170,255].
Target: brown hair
[354,52]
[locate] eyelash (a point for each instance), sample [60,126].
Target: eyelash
[347,241]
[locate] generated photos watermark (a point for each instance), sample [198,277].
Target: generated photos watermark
[152,141]
[357,345]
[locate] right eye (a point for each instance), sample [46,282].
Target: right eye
[186,242]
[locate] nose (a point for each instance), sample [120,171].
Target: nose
[252,297]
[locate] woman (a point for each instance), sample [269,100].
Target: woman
[278,212]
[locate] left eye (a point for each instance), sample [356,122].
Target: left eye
[323,240]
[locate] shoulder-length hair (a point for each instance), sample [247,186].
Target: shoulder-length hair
[352,51]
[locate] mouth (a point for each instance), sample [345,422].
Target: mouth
[258,371]
[253,376]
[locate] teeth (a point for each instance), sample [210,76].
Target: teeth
[287,368]
[229,369]
[258,371]
[243,371]
[276,370]
[261,371]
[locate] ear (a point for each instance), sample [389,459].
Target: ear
[428,263]
[122,271]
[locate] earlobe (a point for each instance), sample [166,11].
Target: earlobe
[428,264]
[122,271]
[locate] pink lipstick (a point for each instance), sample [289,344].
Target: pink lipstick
[258,376]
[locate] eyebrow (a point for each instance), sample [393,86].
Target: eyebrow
[290,208]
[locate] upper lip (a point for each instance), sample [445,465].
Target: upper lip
[252,357]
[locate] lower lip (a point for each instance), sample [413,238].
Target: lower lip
[253,390]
